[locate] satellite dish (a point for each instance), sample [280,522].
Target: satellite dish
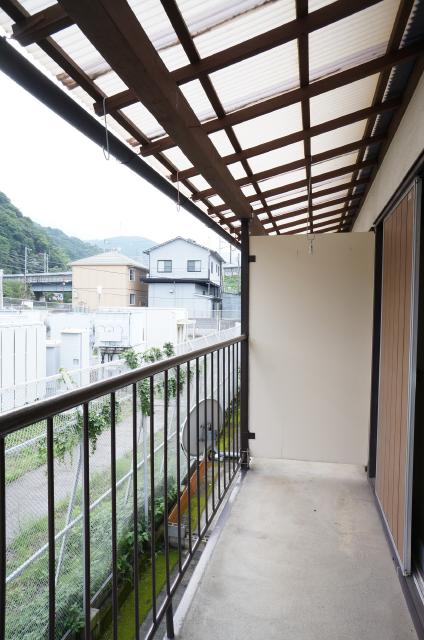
[214,416]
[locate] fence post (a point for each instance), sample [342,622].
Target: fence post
[244,356]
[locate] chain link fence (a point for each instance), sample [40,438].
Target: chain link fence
[26,504]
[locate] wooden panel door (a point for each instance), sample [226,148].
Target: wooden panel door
[398,370]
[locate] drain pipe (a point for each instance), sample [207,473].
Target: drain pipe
[19,69]
[244,359]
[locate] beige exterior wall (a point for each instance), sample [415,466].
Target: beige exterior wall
[115,284]
[310,347]
[406,146]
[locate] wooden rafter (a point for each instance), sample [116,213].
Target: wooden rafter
[297,136]
[73,76]
[298,164]
[41,25]
[303,53]
[335,215]
[395,39]
[321,227]
[180,27]
[264,42]
[293,96]
[119,37]
[349,204]
[281,206]
[328,175]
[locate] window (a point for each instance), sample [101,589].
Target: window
[132,298]
[164,266]
[211,267]
[194,265]
[132,274]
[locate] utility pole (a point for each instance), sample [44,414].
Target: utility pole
[46,262]
[25,269]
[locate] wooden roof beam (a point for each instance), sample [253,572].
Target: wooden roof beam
[288,98]
[336,215]
[259,44]
[41,25]
[297,136]
[322,216]
[321,227]
[174,14]
[298,164]
[115,32]
[321,205]
[400,23]
[328,175]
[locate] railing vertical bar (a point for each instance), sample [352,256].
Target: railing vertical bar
[169,614]
[198,447]
[86,521]
[190,548]
[212,432]
[165,478]
[113,514]
[224,420]
[238,401]
[152,496]
[51,530]
[2,538]
[205,457]
[229,413]
[178,387]
[218,433]
[135,512]
[233,405]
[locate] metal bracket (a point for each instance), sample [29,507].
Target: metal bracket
[252,258]
[251,435]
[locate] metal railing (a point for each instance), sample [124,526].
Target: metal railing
[188,409]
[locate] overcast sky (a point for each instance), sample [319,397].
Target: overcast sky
[59,178]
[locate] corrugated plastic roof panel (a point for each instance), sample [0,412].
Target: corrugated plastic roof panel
[334,163]
[232,21]
[269,126]
[338,137]
[338,47]
[343,100]
[270,159]
[258,78]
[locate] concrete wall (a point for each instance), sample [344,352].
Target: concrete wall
[106,285]
[310,354]
[140,328]
[186,295]
[180,251]
[405,148]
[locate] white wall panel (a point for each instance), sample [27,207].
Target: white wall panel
[310,347]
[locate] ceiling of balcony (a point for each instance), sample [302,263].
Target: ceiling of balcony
[280,110]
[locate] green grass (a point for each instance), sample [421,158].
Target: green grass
[127,609]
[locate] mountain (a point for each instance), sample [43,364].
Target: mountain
[131,246]
[17,232]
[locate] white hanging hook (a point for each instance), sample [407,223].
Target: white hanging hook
[178,193]
[105,150]
[311,238]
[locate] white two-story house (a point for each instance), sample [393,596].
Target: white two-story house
[183,273]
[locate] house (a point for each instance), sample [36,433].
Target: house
[183,273]
[108,279]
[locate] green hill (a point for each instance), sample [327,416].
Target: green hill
[17,232]
[131,246]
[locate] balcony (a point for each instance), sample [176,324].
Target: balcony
[290,455]
[301,554]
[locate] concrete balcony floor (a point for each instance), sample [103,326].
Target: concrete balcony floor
[302,556]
